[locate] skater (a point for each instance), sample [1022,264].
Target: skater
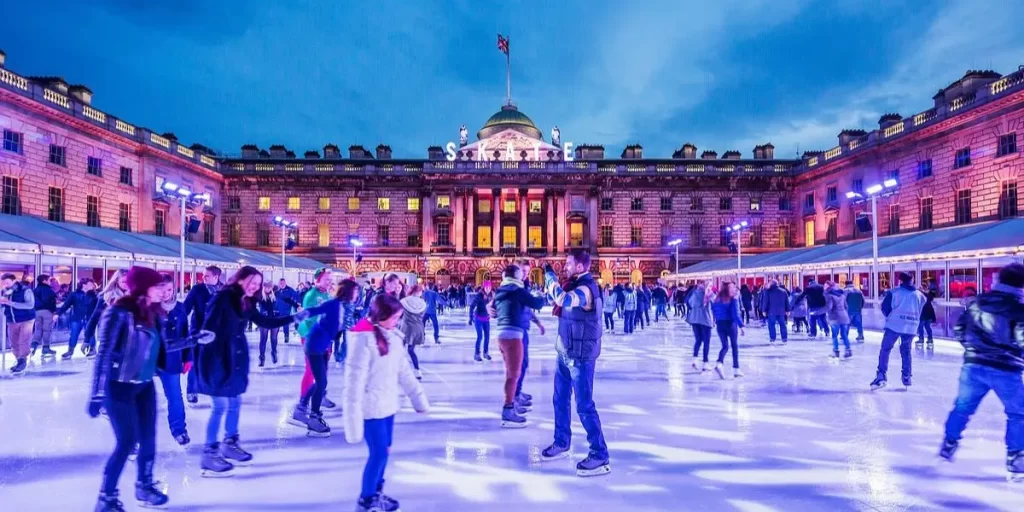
[132,346]
[698,315]
[315,296]
[435,302]
[774,304]
[479,318]
[267,306]
[45,308]
[524,401]
[609,308]
[855,306]
[991,333]
[376,373]
[798,305]
[412,325]
[115,288]
[643,306]
[814,294]
[902,309]
[81,304]
[728,319]
[287,303]
[176,363]
[928,317]
[660,298]
[747,301]
[348,295]
[19,310]
[629,305]
[513,307]
[222,367]
[838,319]
[578,346]
[327,323]
[196,302]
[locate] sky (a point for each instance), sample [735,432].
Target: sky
[723,75]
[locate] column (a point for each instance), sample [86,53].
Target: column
[470,224]
[427,206]
[458,229]
[560,224]
[551,223]
[496,229]
[523,209]
[592,224]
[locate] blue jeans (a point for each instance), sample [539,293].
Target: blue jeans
[577,376]
[526,362]
[975,382]
[781,321]
[609,321]
[840,330]
[889,339]
[660,311]
[702,335]
[922,328]
[629,321]
[226,409]
[817,320]
[378,439]
[171,382]
[433,318]
[857,320]
[483,334]
[75,326]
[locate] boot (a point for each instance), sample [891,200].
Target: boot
[300,416]
[316,426]
[879,381]
[67,355]
[948,449]
[263,362]
[109,503]
[273,358]
[19,367]
[511,419]
[848,354]
[213,464]
[149,496]
[234,453]
[327,403]
[49,352]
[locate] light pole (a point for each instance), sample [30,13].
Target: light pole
[356,244]
[187,198]
[887,186]
[736,228]
[675,243]
[285,227]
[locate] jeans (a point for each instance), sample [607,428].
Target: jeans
[798,321]
[975,382]
[889,338]
[132,412]
[412,356]
[526,363]
[512,353]
[228,410]
[190,383]
[483,334]
[857,320]
[75,326]
[728,334]
[318,367]
[702,333]
[840,330]
[629,321]
[378,433]
[818,320]
[266,334]
[44,328]
[644,314]
[577,376]
[20,335]
[171,383]
[781,321]
[609,321]
[922,328]
[660,311]
[433,318]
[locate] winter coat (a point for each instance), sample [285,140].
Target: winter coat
[286,301]
[727,311]
[643,299]
[81,304]
[175,326]
[196,303]
[815,295]
[609,302]
[748,298]
[22,305]
[513,302]
[329,319]
[579,318]
[631,302]
[775,300]
[854,300]
[412,319]
[313,298]
[928,311]
[698,311]
[902,309]
[798,305]
[835,307]
[659,296]
[991,329]
[373,381]
[46,298]
[432,298]
[478,306]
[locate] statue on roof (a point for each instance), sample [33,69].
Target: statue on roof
[463,136]
[556,136]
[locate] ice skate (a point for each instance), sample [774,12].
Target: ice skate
[848,354]
[720,371]
[477,358]
[19,367]
[523,405]
[554,452]
[148,496]
[1015,467]
[593,467]
[327,403]
[948,449]
[879,382]
[419,374]
[213,464]
[234,453]
[300,416]
[182,439]
[109,503]
[317,427]
[834,356]
[376,504]
[487,356]
[511,419]
[696,364]
[706,367]
[736,373]
[906,380]
[67,355]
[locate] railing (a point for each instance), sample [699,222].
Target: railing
[207,160]
[264,167]
[893,130]
[160,141]
[13,80]
[832,153]
[294,167]
[124,127]
[182,150]
[94,114]
[324,167]
[57,98]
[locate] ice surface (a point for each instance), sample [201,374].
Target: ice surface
[797,433]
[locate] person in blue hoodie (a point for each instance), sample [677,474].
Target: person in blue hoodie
[337,316]
[81,304]
[728,319]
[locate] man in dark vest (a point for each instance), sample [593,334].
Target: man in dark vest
[46,306]
[579,303]
[195,305]
[19,308]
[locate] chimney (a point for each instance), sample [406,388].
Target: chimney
[888,120]
[383,152]
[3,58]
[312,154]
[435,153]
[264,154]
[278,151]
[848,136]
[80,92]
[289,154]
[332,151]
[250,151]
[769,151]
[688,151]
[633,152]
[170,136]
[590,152]
[52,82]
[732,154]
[201,149]
[357,152]
[708,154]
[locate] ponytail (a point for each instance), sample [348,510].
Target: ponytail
[384,306]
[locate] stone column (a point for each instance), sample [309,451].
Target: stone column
[523,207]
[470,224]
[496,229]
[458,231]
[561,226]
[592,223]
[427,207]
[551,223]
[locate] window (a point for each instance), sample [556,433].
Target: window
[12,141]
[832,231]
[535,205]
[92,211]
[294,203]
[483,237]
[124,217]
[607,204]
[755,204]
[126,176]
[55,209]
[809,201]
[509,206]
[756,235]
[607,236]
[576,234]
[412,204]
[785,204]
[808,233]
[444,202]
[234,203]
[696,239]
[323,203]
[508,236]
[724,236]
[384,235]
[1007,199]
[785,235]
[831,195]
[725,203]
[160,222]
[666,204]
[696,203]
[264,203]
[925,216]
[858,186]
[963,206]
[263,235]
[893,175]
[443,232]
[57,155]
[235,234]
[636,204]
[323,234]
[636,236]
[208,237]
[924,169]
[1007,144]
[534,239]
[383,204]
[483,206]
[894,219]
[353,203]
[963,158]
[412,238]
[11,196]
[95,166]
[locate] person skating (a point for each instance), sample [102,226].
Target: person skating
[267,306]
[855,306]
[376,372]
[578,345]
[196,302]
[928,317]
[348,293]
[115,288]
[176,363]
[698,315]
[991,330]
[774,304]
[524,401]
[798,307]
[479,318]
[728,320]
[132,347]
[413,326]
[814,294]
[335,317]
[315,296]
[660,298]
[838,319]
[746,302]
[19,309]
[902,309]
[46,307]
[434,301]
[77,308]
[222,367]
[629,307]
[513,305]
[287,303]
[609,308]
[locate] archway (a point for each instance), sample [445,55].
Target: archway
[537,276]
[636,277]
[607,277]
[482,274]
[442,278]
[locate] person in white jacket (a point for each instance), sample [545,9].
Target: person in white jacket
[376,370]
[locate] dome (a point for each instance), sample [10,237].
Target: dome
[509,117]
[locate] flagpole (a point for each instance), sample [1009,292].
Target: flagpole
[508,73]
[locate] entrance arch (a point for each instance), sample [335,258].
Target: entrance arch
[482,274]
[607,277]
[636,277]
[537,276]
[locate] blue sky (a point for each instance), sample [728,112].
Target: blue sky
[727,74]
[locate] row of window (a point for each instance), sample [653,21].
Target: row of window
[10,204]
[14,142]
[383,204]
[636,204]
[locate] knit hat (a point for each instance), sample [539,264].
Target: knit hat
[319,272]
[140,279]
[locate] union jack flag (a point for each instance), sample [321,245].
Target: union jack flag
[503,44]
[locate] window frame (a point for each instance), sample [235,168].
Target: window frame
[1006,144]
[94,166]
[58,155]
[962,158]
[13,142]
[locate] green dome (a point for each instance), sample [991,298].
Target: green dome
[509,117]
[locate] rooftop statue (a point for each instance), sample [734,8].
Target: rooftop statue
[463,136]
[556,136]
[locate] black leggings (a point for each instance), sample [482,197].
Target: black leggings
[412,356]
[318,366]
[728,334]
[702,338]
[132,412]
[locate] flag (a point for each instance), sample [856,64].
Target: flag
[503,44]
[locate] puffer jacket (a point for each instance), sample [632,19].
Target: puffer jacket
[511,301]
[631,301]
[815,295]
[412,319]
[774,300]
[698,311]
[992,329]
[609,302]
[373,381]
[798,306]
[836,307]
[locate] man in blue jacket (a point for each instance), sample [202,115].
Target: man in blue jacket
[46,307]
[196,303]
[431,297]
[287,303]
[81,304]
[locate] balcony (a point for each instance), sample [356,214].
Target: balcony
[441,248]
[483,252]
[509,250]
[537,252]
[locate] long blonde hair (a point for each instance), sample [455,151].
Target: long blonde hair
[111,292]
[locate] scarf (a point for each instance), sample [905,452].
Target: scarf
[512,280]
[568,285]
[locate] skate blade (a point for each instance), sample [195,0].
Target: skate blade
[144,504]
[240,463]
[317,434]
[563,455]
[513,424]
[296,423]
[603,470]
[1015,478]
[207,473]
[720,373]
[876,388]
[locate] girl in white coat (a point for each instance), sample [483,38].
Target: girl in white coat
[376,371]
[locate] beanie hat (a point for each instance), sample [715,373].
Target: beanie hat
[140,279]
[319,272]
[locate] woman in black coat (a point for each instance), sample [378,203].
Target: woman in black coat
[222,367]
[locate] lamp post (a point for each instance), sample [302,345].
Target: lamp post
[675,243]
[736,228]
[186,198]
[873,192]
[356,244]
[285,227]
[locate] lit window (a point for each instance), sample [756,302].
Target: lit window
[444,202]
[483,237]
[294,203]
[323,203]
[483,206]
[535,206]
[508,236]
[383,203]
[323,235]
[809,233]
[755,204]
[353,203]
[413,204]
[533,237]
[509,206]
[576,234]
[264,203]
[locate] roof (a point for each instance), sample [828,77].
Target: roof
[509,117]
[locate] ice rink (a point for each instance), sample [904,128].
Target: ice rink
[797,433]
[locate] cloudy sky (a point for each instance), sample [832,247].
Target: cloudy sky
[727,74]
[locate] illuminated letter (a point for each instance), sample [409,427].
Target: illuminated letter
[450,152]
[568,152]
[536,151]
[483,151]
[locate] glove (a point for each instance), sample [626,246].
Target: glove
[205,338]
[300,316]
[95,406]
[187,367]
